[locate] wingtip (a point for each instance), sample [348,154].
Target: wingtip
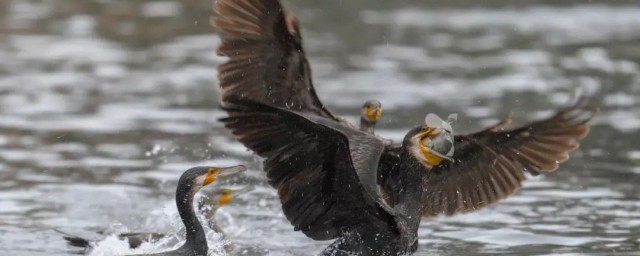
[293,25]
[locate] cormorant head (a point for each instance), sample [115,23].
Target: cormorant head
[198,177]
[372,110]
[223,196]
[432,142]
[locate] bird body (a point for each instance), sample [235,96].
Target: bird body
[355,160]
[339,182]
[208,207]
[189,183]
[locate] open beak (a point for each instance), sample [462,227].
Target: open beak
[226,198]
[231,171]
[215,173]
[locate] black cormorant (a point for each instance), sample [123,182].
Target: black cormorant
[337,182]
[208,207]
[189,183]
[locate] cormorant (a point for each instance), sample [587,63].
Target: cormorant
[189,183]
[208,206]
[217,199]
[337,182]
[371,112]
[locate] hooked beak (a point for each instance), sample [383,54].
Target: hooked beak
[231,171]
[215,173]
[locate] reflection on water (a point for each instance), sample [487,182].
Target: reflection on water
[104,103]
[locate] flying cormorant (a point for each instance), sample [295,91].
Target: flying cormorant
[337,182]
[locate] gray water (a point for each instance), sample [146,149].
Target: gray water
[104,103]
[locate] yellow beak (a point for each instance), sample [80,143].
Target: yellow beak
[213,173]
[224,199]
[211,177]
[432,158]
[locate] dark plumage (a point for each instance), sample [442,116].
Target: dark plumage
[208,207]
[338,182]
[327,173]
[190,182]
[326,179]
[268,63]
[134,239]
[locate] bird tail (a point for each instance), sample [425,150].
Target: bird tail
[74,240]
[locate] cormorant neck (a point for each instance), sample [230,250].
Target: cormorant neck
[410,199]
[409,161]
[210,215]
[410,179]
[213,225]
[366,125]
[195,234]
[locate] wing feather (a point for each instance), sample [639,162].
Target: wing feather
[490,165]
[267,62]
[322,175]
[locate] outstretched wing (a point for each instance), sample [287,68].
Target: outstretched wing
[490,165]
[266,60]
[322,171]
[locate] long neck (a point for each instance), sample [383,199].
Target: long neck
[210,216]
[410,179]
[366,125]
[195,234]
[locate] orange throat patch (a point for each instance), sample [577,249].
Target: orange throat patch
[224,200]
[373,115]
[429,158]
[209,178]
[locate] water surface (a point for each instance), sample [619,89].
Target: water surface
[104,103]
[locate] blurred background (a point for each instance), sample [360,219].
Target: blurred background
[103,104]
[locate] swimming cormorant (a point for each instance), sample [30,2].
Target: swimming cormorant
[208,207]
[189,183]
[337,182]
